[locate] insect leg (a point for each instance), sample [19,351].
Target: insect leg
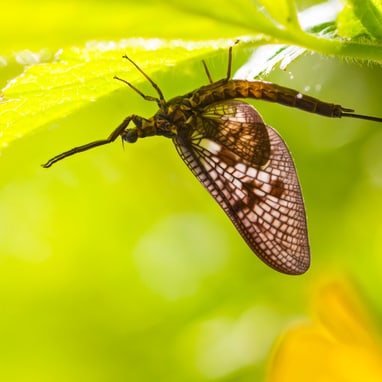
[230,60]
[207,72]
[112,137]
[144,96]
[211,81]
[161,101]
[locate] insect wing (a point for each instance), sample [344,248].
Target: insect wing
[247,168]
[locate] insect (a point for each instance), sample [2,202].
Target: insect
[243,163]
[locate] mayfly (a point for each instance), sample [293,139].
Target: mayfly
[243,163]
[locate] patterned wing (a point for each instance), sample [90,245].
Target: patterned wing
[247,168]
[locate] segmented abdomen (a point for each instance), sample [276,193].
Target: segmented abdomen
[266,91]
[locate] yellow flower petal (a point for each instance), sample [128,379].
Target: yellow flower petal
[340,344]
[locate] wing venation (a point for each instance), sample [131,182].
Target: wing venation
[247,168]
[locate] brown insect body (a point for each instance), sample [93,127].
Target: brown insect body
[243,163]
[179,111]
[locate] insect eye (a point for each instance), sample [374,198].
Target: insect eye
[130,136]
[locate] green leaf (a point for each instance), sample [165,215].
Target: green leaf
[283,12]
[48,91]
[361,18]
[369,13]
[55,85]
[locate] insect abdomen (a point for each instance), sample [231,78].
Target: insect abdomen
[267,91]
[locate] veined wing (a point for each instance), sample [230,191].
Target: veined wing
[247,168]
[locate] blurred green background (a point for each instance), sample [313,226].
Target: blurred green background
[117,265]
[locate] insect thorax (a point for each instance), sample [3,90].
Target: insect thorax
[173,118]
